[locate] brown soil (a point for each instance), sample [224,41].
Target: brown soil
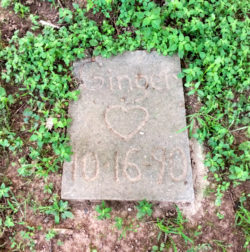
[10,23]
[85,232]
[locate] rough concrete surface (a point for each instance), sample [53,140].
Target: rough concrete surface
[124,131]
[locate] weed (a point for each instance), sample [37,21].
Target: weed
[103,211]
[220,215]
[242,220]
[9,208]
[5,3]
[120,225]
[221,245]
[50,234]
[20,8]
[59,209]
[172,227]
[4,191]
[144,208]
[201,247]
[59,243]
[100,5]
[48,188]
[25,239]
[158,248]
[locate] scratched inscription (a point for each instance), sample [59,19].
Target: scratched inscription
[121,109]
[164,163]
[124,131]
[158,81]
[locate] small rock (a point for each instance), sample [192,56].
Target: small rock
[124,214]
[49,123]
[157,213]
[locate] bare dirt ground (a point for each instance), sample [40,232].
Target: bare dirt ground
[85,232]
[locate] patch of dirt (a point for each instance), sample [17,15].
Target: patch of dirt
[10,23]
[85,232]
[13,119]
[239,137]
[98,17]
[102,235]
[160,2]
[44,10]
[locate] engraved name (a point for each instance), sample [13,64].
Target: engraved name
[160,81]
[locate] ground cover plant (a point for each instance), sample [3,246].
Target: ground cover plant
[36,86]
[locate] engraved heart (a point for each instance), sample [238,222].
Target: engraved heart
[125,122]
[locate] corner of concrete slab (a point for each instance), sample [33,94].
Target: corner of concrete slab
[200,183]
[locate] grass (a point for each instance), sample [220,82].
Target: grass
[174,227]
[242,219]
[103,211]
[209,36]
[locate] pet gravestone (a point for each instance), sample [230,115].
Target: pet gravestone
[126,132]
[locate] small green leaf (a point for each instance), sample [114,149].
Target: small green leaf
[9,222]
[93,42]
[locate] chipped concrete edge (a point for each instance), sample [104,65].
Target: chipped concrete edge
[200,183]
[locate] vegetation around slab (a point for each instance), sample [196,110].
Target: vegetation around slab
[211,38]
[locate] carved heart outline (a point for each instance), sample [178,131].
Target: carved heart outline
[126,137]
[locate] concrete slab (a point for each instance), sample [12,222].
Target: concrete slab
[124,131]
